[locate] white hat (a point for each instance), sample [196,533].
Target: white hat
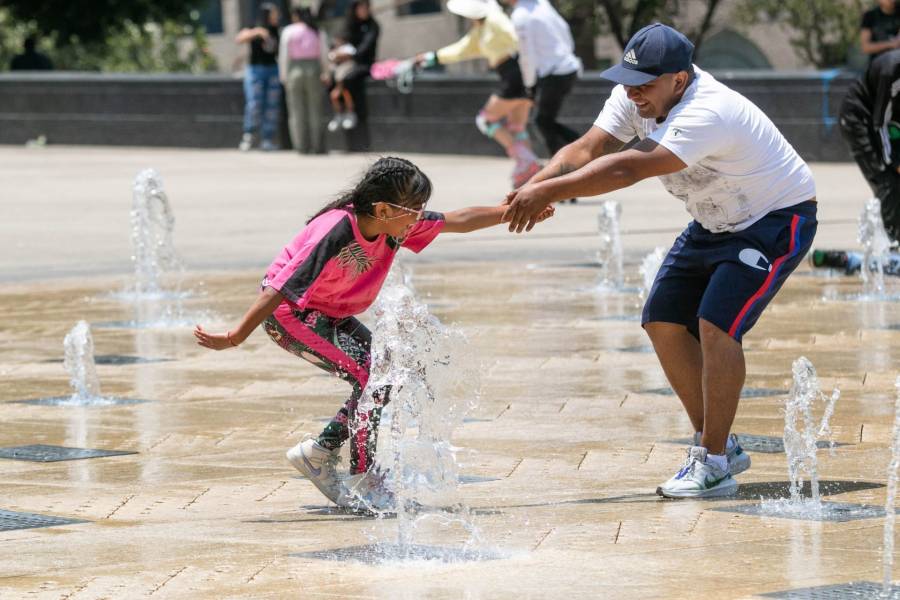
[470,9]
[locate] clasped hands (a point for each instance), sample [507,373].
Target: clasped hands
[526,207]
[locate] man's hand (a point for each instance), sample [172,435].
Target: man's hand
[527,205]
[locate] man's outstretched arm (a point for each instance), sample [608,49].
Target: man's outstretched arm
[600,176]
[593,144]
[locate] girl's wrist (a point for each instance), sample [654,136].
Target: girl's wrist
[230,341]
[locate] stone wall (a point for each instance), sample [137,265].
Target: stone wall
[205,111]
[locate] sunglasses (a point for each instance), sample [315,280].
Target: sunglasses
[419,212]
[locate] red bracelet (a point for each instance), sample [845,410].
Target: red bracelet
[231,341]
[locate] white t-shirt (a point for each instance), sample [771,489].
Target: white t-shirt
[739,166]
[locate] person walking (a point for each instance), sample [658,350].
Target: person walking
[262,89]
[549,66]
[301,52]
[752,199]
[505,115]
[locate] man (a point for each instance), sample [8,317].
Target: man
[31,59]
[878,30]
[549,65]
[870,123]
[753,203]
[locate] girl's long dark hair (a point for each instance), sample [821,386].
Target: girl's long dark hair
[262,14]
[389,179]
[306,16]
[351,22]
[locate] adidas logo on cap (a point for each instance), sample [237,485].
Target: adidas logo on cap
[630,57]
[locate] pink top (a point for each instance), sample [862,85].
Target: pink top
[331,267]
[302,42]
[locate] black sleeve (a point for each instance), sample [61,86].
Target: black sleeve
[881,81]
[868,20]
[366,46]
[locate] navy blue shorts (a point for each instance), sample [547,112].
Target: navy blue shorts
[729,278]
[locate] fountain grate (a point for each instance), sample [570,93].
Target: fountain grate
[94,403]
[382,553]
[834,512]
[745,393]
[840,591]
[11,520]
[45,453]
[637,350]
[760,443]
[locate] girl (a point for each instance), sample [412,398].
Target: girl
[332,270]
[262,90]
[505,116]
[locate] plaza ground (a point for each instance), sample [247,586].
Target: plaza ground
[560,460]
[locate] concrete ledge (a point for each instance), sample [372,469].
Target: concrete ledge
[205,111]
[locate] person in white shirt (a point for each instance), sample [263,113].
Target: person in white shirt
[549,66]
[752,199]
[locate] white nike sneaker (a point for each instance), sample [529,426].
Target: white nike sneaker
[349,121]
[738,460]
[319,465]
[367,492]
[698,479]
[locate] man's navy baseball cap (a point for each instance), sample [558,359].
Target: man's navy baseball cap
[653,51]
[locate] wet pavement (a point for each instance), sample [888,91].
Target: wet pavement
[574,429]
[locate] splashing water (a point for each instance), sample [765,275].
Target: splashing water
[890,516]
[434,377]
[609,254]
[152,225]
[649,268]
[801,434]
[876,248]
[79,363]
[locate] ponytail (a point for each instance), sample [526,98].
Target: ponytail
[389,179]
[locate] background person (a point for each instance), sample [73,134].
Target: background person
[869,118]
[31,59]
[549,66]
[361,31]
[505,115]
[300,60]
[262,88]
[879,28]
[752,199]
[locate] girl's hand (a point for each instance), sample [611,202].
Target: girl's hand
[214,341]
[545,214]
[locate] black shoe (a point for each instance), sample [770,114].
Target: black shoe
[829,259]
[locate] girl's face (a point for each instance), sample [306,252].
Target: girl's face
[396,221]
[273,17]
[362,11]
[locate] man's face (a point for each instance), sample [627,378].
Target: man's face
[655,99]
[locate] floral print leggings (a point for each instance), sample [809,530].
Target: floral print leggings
[341,347]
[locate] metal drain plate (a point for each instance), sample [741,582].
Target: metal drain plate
[745,393]
[45,453]
[376,554]
[638,350]
[66,401]
[10,520]
[766,444]
[835,512]
[840,591]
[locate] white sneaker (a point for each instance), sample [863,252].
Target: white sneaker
[349,121]
[246,142]
[738,460]
[335,123]
[318,464]
[698,479]
[367,492]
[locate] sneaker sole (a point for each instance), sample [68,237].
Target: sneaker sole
[716,492]
[298,463]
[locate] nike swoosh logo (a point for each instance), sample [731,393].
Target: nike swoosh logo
[711,482]
[315,472]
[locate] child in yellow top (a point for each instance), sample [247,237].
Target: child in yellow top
[505,115]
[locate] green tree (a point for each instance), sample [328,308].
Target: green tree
[169,46]
[623,18]
[822,31]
